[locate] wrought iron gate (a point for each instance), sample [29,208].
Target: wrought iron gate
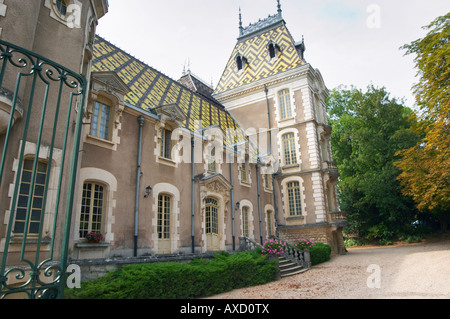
[38,167]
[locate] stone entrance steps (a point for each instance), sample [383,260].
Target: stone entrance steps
[289,268]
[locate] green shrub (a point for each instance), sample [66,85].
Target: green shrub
[352,242]
[320,253]
[381,232]
[200,278]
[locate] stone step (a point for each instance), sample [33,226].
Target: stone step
[288,268]
[293,273]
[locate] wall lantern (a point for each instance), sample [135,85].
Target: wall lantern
[148,190]
[238,205]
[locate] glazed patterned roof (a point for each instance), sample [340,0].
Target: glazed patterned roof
[150,89]
[253,46]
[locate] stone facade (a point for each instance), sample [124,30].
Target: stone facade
[176,167]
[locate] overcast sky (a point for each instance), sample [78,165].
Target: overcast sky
[351,42]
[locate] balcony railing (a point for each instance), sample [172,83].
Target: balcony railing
[338,218]
[330,167]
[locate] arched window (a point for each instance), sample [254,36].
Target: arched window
[92,208]
[294,199]
[290,154]
[284,100]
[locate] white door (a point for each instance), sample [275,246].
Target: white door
[212,225]
[164,210]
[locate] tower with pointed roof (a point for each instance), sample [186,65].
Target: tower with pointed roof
[279,99]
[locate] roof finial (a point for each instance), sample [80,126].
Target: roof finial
[279,8]
[241,28]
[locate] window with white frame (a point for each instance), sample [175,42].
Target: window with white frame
[92,208]
[284,100]
[294,199]
[101,119]
[289,149]
[166,143]
[244,172]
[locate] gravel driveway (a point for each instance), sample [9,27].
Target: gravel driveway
[416,271]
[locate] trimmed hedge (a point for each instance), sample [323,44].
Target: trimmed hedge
[320,253]
[200,278]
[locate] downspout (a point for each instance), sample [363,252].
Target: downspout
[268,118]
[266,90]
[192,193]
[275,217]
[141,121]
[232,203]
[259,202]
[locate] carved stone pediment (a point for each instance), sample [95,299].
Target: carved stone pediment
[217,184]
[111,82]
[171,112]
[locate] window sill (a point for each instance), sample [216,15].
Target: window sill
[100,142]
[286,119]
[92,245]
[18,240]
[290,166]
[295,217]
[246,184]
[166,161]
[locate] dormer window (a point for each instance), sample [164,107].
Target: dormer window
[104,110]
[212,168]
[101,123]
[241,61]
[273,49]
[166,141]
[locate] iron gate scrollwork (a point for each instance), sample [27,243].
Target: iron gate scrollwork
[43,129]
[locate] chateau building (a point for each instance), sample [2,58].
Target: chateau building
[157,166]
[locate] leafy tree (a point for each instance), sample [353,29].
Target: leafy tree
[426,166]
[368,129]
